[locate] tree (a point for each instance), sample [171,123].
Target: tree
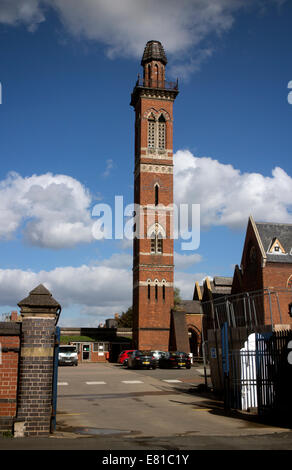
[177,297]
[126,319]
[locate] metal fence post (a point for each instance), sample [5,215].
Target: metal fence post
[225,365]
[55,380]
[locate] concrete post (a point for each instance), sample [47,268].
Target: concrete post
[40,313]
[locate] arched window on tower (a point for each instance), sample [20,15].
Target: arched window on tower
[156,291]
[161,132]
[156,75]
[156,245]
[156,189]
[149,76]
[149,291]
[163,291]
[159,243]
[156,235]
[153,243]
[151,132]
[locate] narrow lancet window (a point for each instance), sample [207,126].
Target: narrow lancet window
[151,133]
[153,243]
[161,132]
[156,195]
[159,243]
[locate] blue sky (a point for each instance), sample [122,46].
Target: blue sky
[67,136]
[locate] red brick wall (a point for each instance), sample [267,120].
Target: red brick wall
[275,277]
[8,375]
[252,279]
[194,323]
[94,357]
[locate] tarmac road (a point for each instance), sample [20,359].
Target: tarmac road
[107,407]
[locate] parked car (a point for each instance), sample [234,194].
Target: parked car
[158,354]
[123,357]
[142,359]
[175,359]
[68,355]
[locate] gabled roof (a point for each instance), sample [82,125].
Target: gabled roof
[269,233]
[221,285]
[198,291]
[266,234]
[191,306]
[222,281]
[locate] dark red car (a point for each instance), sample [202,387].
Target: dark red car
[123,357]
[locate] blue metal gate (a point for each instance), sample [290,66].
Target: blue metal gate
[55,379]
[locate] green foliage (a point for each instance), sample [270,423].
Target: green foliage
[126,319]
[6,434]
[75,339]
[177,297]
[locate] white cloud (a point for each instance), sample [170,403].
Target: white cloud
[87,294]
[54,210]
[14,12]
[186,283]
[124,27]
[90,287]
[227,196]
[118,261]
[186,261]
[109,167]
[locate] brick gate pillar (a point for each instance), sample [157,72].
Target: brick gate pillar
[40,313]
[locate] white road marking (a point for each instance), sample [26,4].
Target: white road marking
[172,381]
[96,383]
[132,382]
[62,383]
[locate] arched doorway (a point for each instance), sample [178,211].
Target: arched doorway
[195,341]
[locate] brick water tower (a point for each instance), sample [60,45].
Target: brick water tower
[153,267]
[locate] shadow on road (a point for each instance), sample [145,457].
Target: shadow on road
[215,405]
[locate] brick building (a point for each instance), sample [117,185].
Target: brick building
[259,295]
[97,344]
[153,297]
[266,265]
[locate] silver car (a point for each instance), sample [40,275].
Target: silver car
[158,354]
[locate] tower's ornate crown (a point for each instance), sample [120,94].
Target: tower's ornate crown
[154,51]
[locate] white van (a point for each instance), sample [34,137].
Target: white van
[68,355]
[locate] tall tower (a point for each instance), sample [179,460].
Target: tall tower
[153,268]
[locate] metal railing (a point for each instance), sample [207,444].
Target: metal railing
[4,317]
[245,309]
[163,84]
[261,378]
